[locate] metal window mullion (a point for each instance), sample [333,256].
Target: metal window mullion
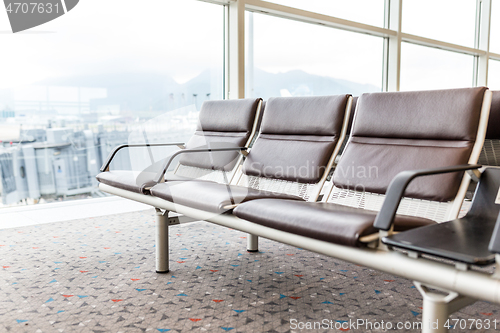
[250,68]
[236,49]
[225,68]
[483,42]
[494,56]
[296,14]
[424,41]
[392,51]
[476,43]
[385,50]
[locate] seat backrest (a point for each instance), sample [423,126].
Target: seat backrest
[490,154]
[224,123]
[297,144]
[393,132]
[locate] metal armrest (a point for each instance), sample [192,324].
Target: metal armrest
[241,150]
[105,166]
[495,238]
[397,187]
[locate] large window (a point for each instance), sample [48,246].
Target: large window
[300,59]
[451,21]
[424,68]
[75,87]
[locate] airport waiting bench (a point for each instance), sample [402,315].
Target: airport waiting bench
[440,133]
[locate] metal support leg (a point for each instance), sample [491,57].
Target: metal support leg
[252,243]
[438,307]
[161,241]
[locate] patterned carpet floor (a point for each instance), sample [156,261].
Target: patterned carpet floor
[97,275]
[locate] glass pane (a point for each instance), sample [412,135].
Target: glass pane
[424,68]
[494,75]
[300,59]
[452,21]
[87,86]
[495,27]
[363,11]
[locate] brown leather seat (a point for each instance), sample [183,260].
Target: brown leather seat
[138,182]
[210,196]
[324,221]
[391,133]
[225,124]
[297,139]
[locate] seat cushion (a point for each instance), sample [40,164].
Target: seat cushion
[127,180]
[134,181]
[211,197]
[323,221]
[138,181]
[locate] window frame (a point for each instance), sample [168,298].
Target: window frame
[391,32]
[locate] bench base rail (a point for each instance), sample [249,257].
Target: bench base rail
[438,307]
[472,284]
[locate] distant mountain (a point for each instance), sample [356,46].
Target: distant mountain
[132,91]
[136,92]
[300,83]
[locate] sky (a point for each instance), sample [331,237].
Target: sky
[182,38]
[281,45]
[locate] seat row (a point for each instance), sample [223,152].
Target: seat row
[405,165]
